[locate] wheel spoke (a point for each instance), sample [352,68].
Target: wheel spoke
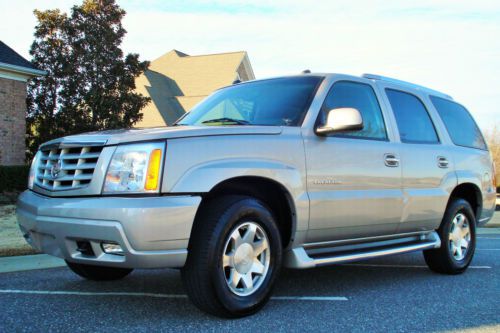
[453,248]
[247,280]
[260,246]
[234,278]
[250,233]
[227,260]
[464,243]
[459,252]
[257,267]
[236,237]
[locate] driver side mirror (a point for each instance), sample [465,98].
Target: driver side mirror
[341,120]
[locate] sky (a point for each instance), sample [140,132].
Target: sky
[449,45]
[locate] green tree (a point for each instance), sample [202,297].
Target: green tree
[90,83]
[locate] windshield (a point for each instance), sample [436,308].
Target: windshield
[273,102]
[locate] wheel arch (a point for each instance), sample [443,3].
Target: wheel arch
[471,193]
[272,193]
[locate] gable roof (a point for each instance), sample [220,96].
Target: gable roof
[10,60]
[198,75]
[177,81]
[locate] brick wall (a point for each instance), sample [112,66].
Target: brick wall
[12,121]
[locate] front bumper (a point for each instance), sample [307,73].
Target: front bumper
[152,231]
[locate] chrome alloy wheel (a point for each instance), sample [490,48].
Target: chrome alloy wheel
[459,236]
[246,258]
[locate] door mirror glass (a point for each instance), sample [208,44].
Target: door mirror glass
[341,120]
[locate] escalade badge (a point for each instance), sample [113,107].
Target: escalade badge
[56,169]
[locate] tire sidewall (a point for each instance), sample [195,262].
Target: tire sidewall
[246,210]
[459,206]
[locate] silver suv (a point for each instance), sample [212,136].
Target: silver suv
[299,171]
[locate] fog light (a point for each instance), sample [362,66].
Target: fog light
[112,248]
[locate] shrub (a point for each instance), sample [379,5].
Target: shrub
[14,178]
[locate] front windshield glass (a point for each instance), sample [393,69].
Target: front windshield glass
[273,102]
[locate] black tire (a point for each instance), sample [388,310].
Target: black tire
[98,273]
[442,260]
[203,275]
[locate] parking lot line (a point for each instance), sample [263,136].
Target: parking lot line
[404,266]
[88,293]
[309,298]
[135,294]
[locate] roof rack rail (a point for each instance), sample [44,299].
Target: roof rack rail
[306,71]
[403,83]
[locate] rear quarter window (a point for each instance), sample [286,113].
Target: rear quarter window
[459,123]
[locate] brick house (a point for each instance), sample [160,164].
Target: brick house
[176,82]
[15,71]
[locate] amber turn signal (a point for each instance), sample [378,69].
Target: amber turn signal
[153,176]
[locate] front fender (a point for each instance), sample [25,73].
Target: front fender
[202,178]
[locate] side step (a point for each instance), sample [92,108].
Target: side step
[301,257]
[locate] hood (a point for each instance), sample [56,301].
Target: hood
[113,137]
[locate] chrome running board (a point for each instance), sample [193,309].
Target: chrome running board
[301,258]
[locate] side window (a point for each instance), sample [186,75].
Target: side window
[414,123]
[361,97]
[459,123]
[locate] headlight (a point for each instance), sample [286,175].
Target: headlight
[32,175]
[135,168]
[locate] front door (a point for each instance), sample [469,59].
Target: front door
[353,178]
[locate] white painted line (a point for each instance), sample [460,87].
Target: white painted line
[88,293]
[488,249]
[309,298]
[496,238]
[405,266]
[119,293]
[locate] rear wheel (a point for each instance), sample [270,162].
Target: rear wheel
[458,240]
[234,257]
[99,273]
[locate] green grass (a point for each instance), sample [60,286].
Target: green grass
[12,242]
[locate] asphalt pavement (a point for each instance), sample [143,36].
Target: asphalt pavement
[392,294]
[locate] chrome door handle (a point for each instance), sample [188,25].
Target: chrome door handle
[391,160]
[442,162]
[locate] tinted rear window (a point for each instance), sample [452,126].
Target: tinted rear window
[414,123]
[459,123]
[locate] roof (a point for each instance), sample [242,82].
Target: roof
[405,84]
[198,75]
[177,81]
[12,61]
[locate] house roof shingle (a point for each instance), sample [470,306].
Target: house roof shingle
[198,75]
[177,81]
[11,57]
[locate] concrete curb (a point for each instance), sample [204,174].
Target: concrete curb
[30,262]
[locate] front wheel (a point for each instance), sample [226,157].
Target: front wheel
[458,240]
[234,257]
[98,273]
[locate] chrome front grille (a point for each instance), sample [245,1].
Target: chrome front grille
[66,168]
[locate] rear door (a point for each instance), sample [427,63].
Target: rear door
[427,164]
[354,178]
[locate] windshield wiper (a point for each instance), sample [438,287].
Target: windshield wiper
[226,120]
